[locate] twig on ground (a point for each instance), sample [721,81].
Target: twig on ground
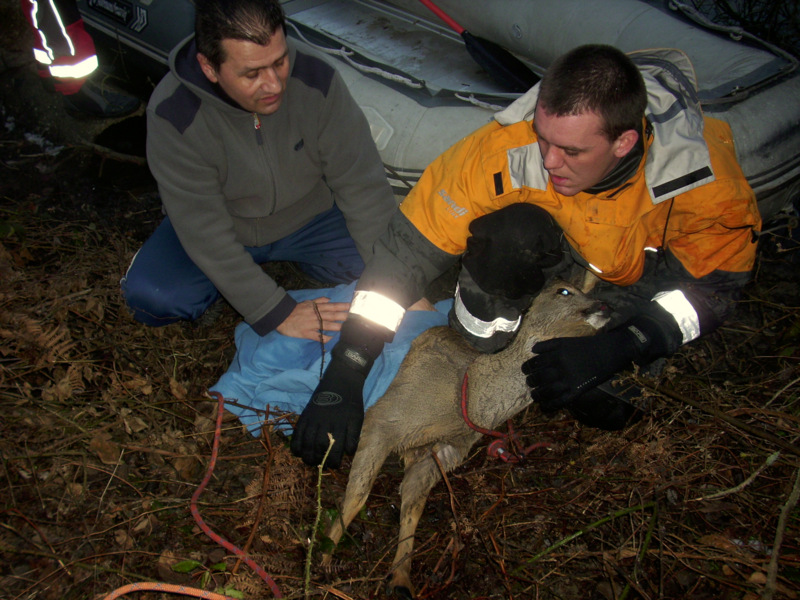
[266,441]
[722,493]
[317,518]
[772,569]
[764,435]
[580,532]
[105,152]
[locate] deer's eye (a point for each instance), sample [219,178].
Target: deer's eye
[563,292]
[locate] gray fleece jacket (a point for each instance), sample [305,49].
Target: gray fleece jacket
[227,183]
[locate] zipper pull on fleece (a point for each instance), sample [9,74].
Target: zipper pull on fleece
[257,127]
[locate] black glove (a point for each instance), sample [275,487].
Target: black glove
[337,405]
[563,368]
[509,249]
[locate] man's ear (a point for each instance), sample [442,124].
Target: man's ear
[208,69]
[625,142]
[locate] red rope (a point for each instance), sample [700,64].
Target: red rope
[507,447]
[196,513]
[180,589]
[171,588]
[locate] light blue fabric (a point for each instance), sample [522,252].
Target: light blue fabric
[282,372]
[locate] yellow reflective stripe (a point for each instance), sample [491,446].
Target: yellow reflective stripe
[378,309]
[676,304]
[477,327]
[78,71]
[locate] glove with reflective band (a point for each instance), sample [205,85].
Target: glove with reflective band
[337,405]
[504,265]
[509,249]
[563,368]
[488,322]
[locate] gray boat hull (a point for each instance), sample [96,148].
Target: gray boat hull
[421,91]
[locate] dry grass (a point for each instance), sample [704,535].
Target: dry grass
[106,433]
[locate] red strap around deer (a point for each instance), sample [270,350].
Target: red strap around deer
[507,446]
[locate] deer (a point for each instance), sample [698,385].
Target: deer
[420,414]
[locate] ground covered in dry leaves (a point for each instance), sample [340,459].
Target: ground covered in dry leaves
[106,431]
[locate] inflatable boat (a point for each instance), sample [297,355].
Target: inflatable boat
[411,70]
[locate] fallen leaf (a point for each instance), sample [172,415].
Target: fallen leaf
[124,539]
[757,578]
[178,390]
[106,450]
[166,573]
[720,542]
[186,466]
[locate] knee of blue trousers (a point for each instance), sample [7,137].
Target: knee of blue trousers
[342,270]
[156,306]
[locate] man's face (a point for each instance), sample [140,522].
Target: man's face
[253,76]
[575,152]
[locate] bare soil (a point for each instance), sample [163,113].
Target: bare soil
[106,430]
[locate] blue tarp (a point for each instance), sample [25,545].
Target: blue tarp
[282,372]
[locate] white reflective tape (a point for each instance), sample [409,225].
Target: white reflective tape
[593,268]
[42,57]
[378,309]
[676,304]
[650,249]
[57,15]
[478,328]
[78,71]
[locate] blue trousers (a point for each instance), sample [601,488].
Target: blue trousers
[163,285]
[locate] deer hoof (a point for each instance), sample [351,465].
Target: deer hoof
[403,592]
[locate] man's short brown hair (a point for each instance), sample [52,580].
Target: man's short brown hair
[599,79]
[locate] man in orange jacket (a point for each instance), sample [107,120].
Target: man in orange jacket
[607,167]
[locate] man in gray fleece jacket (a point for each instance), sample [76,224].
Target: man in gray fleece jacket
[260,154]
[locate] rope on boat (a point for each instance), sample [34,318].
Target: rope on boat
[735,32]
[471,99]
[346,54]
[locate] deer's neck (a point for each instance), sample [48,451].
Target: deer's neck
[497,390]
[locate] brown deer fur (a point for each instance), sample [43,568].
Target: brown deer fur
[420,413]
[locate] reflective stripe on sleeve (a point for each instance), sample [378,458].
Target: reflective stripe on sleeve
[676,304]
[478,328]
[45,42]
[42,57]
[378,309]
[77,71]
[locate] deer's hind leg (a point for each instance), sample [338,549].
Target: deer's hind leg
[367,462]
[421,474]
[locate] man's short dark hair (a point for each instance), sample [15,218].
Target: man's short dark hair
[250,20]
[600,79]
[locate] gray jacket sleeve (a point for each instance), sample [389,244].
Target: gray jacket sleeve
[354,169]
[188,174]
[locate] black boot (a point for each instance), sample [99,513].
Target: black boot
[97,99]
[607,408]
